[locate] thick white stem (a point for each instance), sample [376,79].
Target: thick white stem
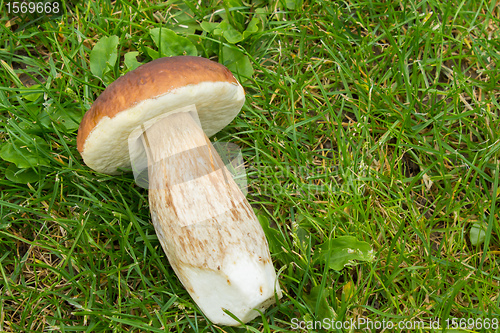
[205,225]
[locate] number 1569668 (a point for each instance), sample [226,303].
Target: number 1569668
[33,7]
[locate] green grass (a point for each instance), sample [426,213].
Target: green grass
[378,120]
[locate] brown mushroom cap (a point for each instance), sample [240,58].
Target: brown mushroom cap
[153,89]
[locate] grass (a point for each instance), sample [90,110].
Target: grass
[378,120]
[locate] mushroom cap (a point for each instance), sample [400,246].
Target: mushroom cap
[154,89]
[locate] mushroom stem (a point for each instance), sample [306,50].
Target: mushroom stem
[205,225]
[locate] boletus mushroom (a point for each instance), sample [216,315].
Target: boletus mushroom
[204,223]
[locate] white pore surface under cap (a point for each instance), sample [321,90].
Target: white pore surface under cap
[229,153]
[106,148]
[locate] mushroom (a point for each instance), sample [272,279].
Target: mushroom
[205,225]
